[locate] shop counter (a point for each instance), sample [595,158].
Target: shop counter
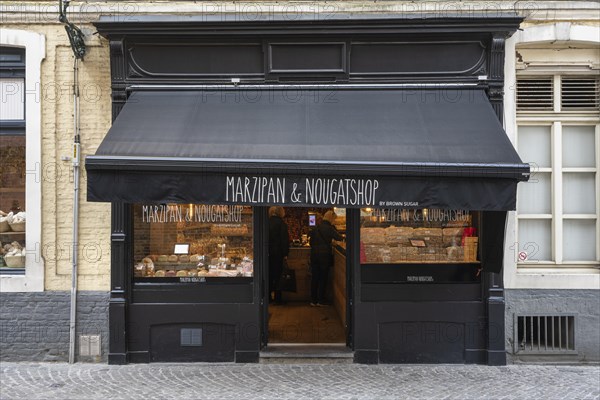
[298,261]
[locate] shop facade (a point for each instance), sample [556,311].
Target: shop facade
[395,120]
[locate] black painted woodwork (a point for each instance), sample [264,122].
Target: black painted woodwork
[340,49]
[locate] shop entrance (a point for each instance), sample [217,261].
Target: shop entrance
[301,316]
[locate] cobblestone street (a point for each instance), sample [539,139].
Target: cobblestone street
[296,381]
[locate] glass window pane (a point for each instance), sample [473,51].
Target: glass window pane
[579,193]
[12,201]
[579,240]
[395,236]
[579,146]
[12,106]
[534,195]
[192,242]
[534,145]
[535,239]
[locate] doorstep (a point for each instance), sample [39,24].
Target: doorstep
[310,353]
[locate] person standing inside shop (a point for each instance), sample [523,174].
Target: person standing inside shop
[279,247]
[321,257]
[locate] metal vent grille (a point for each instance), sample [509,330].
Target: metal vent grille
[535,94]
[191,337]
[535,334]
[580,93]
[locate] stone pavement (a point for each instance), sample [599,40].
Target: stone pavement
[296,381]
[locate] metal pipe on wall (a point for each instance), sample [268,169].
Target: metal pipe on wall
[74,259]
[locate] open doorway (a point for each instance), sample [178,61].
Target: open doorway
[297,317]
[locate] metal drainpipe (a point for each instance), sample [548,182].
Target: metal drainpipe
[76,158]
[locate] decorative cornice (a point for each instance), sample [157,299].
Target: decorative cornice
[343,24]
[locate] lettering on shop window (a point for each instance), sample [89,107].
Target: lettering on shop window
[192,279]
[432,215]
[167,213]
[419,278]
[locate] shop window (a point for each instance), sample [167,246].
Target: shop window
[418,236]
[21,55]
[558,209]
[12,156]
[192,242]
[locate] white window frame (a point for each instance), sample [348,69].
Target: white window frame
[35,51]
[548,275]
[556,119]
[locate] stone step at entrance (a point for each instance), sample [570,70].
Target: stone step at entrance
[310,353]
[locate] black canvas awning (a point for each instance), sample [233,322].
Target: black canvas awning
[348,147]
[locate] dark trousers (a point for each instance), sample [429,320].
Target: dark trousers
[275,269]
[320,267]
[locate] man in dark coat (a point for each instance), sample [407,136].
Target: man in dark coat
[279,247]
[321,257]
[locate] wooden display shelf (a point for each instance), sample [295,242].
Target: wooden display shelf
[412,262]
[12,233]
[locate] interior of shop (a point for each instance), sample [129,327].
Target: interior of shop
[296,319]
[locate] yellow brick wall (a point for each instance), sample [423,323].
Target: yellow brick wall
[55,93]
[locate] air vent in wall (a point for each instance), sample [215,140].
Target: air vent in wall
[580,93]
[535,94]
[191,337]
[537,334]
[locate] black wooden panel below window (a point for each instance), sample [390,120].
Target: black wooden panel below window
[218,343]
[193,293]
[422,342]
[307,57]
[163,60]
[420,273]
[385,292]
[417,58]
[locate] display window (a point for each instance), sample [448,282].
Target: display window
[192,242]
[12,202]
[393,236]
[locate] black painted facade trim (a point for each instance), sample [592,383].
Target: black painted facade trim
[487,40]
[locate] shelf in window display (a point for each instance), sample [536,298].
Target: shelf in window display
[176,266]
[242,230]
[422,262]
[12,234]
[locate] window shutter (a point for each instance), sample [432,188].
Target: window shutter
[535,94]
[580,93]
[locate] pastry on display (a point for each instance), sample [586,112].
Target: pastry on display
[163,258]
[160,273]
[170,274]
[181,273]
[173,258]
[373,235]
[139,270]
[184,258]
[147,261]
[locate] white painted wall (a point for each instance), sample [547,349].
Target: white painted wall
[549,276]
[35,51]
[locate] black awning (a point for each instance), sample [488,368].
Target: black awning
[350,147]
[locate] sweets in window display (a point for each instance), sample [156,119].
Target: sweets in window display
[217,241]
[229,229]
[373,235]
[416,236]
[196,266]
